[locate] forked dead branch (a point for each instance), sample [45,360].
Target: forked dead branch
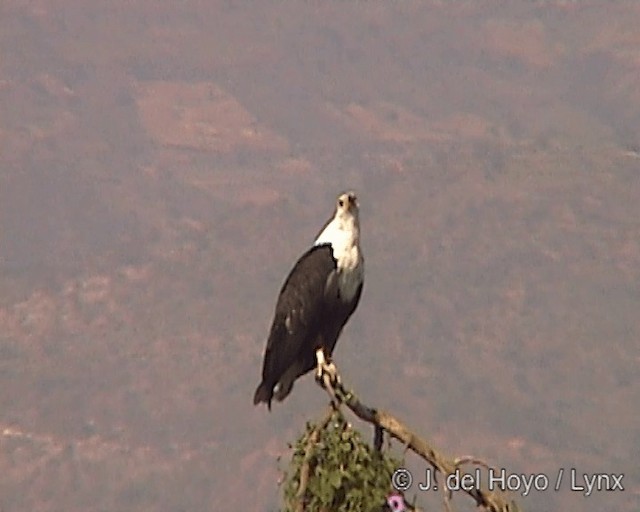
[382,421]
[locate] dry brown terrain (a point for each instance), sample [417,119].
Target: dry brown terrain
[163,164]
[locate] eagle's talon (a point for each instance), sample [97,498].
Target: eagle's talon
[331,370]
[325,368]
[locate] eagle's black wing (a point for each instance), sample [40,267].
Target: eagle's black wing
[298,316]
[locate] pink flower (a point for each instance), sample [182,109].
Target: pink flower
[396,503]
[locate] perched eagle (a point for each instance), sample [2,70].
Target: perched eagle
[316,300]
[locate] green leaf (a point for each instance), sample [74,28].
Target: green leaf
[335,479]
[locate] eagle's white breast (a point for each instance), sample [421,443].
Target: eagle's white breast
[342,233]
[350,276]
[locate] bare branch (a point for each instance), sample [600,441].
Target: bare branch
[378,438]
[470,459]
[490,501]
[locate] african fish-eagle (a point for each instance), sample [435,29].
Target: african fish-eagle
[315,302]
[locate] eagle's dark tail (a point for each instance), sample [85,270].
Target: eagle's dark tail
[264,393]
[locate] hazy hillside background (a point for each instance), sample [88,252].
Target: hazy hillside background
[163,164]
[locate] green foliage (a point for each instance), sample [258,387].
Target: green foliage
[345,474]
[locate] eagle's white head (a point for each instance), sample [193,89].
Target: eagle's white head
[342,232]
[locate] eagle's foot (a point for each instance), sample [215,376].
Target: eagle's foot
[331,371]
[326,371]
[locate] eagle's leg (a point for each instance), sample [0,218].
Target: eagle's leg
[325,366]
[326,376]
[321,362]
